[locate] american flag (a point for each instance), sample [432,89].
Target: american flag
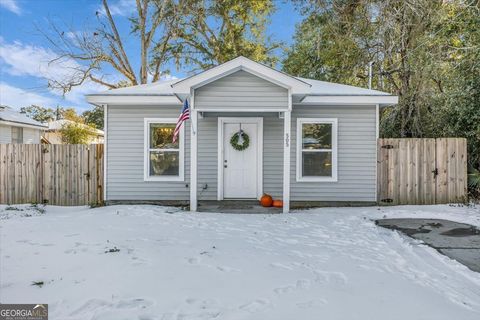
[184,116]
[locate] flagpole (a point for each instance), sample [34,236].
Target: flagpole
[193,120]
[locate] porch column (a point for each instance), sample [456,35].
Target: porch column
[193,159]
[287,124]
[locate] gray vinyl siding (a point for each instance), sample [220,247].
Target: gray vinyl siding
[126,150]
[5,134]
[125,155]
[273,156]
[207,150]
[356,155]
[31,135]
[241,89]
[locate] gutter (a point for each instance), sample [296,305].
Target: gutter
[23,124]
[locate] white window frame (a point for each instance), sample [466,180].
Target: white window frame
[147,149]
[334,150]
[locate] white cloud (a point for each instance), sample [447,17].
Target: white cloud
[77,94]
[11,5]
[120,8]
[17,97]
[19,59]
[167,77]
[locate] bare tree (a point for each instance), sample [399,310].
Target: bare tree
[91,55]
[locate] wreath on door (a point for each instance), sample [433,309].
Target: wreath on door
[240,140]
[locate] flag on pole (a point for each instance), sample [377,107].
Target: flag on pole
[184,116]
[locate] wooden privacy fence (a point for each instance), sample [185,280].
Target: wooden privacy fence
[55,174]
[410,171]
[422,171]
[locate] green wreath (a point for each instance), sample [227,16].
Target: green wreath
[234,141]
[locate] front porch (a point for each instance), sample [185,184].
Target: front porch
[240,86]
[235,206]
[239,178]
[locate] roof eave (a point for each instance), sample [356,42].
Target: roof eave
[23,124]
[381,100]
[132,99]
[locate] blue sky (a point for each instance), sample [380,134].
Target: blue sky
[24,51]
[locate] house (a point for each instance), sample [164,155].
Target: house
[308,140]
[16,127]
[54,136]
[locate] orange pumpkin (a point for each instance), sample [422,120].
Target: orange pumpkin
[277,203]
[266,200]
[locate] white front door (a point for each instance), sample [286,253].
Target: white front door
[241,169]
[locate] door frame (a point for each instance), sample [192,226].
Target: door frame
[221,152]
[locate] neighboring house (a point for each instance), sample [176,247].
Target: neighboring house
[309,140]
[16,127]
[54,136]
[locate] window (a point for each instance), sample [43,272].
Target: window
[17,135]
[163,158]
[316,149]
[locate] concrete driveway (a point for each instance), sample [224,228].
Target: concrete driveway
[458,241]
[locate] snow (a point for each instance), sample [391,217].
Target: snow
[329,263]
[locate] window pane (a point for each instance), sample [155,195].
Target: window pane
[164,163]
[317,164]
[317,136]
[17,135]
[161,136]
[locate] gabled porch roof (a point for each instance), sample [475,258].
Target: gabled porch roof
[295,85]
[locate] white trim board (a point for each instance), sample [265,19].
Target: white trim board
[132,100]
[146,151]
[221,153]
[22,125]
[382,101]
[105,150]
[193,153]
[287,143]
[334,150]
[377,135]
[242,109]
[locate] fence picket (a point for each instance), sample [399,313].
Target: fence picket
[408,170]
[73,174]
[55,174]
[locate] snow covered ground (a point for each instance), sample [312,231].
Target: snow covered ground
[330,263]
